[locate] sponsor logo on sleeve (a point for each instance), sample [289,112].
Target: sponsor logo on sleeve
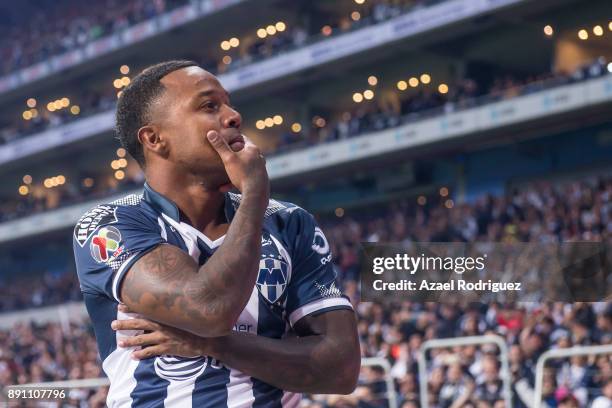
[319,243]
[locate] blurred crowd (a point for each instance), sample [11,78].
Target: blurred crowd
[70,24]
[458,376]
[75,24]
[363,119]
[75,33]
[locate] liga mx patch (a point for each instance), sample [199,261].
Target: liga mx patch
[102,214]
[104,245]
[272,278]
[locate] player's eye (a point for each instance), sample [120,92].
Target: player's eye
[210,106]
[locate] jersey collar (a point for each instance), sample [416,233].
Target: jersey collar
[166,206]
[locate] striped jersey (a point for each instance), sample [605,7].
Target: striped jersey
[296,278]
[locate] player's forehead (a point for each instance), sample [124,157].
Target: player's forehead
[190,81]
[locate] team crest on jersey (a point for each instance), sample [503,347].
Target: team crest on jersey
[103,214]
[273,277]
[105,246]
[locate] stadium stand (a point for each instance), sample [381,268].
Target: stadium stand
[561,196]
[541,212]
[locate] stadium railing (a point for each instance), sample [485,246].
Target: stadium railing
[557,354]
[465,341]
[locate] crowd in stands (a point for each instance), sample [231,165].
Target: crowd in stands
[363,119]
[50,31]
[466,376]
[131,12]
[75,24]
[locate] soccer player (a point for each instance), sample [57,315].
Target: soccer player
[244,284]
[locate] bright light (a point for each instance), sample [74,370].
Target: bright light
[27,115]
[75,109]
[57,104]
[372,80]
[115,165]
[124,69]
[443,191]
[234,42]
[27,179]
[326,30]
[339,212]
[280,26]
[449,204]
[610,26]
[368,94]
[227,60]
[34,112]
[125,81]
[261,33]
[359,1]
[119,174]
[598,30]
[278,119]
[583,35]
[117,83]
[50,106]
[610,67]
[355,16]
[443,88]
[548,30]
[422,200]
[121,152]
[31,102]
[48,183]
[119,94]
[60,179]
[65,102]
[271,30]
[402,85]
[23,190]
[225,45]
[260,125]
[122,163]
[357,97]
[296,127]
[425,78]
[269,122]
[413,82]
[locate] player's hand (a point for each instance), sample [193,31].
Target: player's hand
[246,168]
[159,339]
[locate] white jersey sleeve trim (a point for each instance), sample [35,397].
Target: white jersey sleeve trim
[317,305]
[120,273]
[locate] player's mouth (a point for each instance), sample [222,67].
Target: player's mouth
[236,143]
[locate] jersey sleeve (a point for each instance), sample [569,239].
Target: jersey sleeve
[313,287]
[107,240]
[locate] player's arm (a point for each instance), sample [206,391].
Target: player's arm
[167,286]
[323,359]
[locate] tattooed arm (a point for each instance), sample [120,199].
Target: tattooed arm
[166,284]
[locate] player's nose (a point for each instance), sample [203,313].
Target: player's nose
[232,118]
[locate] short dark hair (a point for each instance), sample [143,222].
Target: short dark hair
[133,107]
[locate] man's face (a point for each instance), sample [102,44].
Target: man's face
[193,104]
